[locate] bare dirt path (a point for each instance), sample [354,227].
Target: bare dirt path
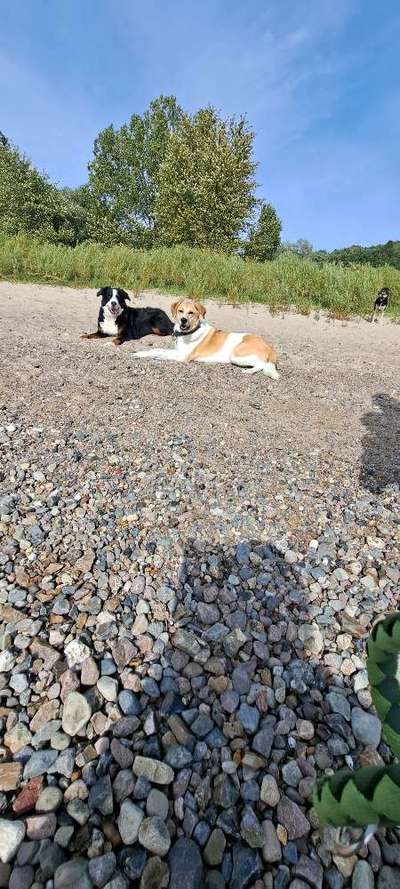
[338,390]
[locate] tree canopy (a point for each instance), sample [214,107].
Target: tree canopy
[265,235]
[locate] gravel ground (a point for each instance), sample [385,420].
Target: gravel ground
[190,560]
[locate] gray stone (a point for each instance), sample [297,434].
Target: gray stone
[251,829]
[291,816]
[248,717]
[366,727]
[39,763]
[129,821]
[100,796]
[202,725]
[157,803]
[108,688]
[389,878]
[76,713]
[102,868]
[225,793]
[263,740]
[73,873]
[310,870]
[155,875]
[178,757]
[269,791]
[49,800]
[291,774]
[339,704]
[51,857]
[271,850]
[185,864]
[363,876]
[11,835]
[153,769]
[21,877]
[154,836]
[215,848]
[246,869]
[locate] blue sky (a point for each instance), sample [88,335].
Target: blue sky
[318,79]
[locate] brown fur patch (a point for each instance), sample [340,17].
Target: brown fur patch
[211,344]
[252,344]
[188,305]
[93,336]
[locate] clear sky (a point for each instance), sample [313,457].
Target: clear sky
[319,81]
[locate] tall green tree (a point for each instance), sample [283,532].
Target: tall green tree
[206,182]
[123,174]
[265,236]
[31,204]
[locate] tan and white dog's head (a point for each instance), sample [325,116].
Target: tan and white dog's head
[187,314]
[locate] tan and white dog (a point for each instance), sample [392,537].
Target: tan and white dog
[196,340]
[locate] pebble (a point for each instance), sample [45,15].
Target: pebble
[186,866]
[129,821]
[291,816]
[269,791]
[73,873]
[155,875]
[366,727]
[363,877]
[76,713]
[154,836]
[155,771]
[11,835]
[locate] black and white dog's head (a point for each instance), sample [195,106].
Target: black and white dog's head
[382,300]
[113,300]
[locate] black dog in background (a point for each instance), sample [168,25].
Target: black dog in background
[123,323]
[381,303]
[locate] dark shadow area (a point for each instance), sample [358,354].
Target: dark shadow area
[380,462]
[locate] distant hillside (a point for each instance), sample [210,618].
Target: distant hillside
[379,254]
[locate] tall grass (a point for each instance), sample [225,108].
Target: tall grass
[288,281]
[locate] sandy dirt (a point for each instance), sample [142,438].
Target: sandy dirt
[338,392]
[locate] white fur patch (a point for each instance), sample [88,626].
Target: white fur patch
[108,326]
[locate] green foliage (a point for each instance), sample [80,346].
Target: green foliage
[301,247]
[206,182]
[30,203]
[288,281]
[123,174]
[380,254]
[265,236]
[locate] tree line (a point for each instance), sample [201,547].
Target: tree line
[165,177]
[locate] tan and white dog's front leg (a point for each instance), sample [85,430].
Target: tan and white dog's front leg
[160,354]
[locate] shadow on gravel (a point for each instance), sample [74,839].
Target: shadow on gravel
[380,462]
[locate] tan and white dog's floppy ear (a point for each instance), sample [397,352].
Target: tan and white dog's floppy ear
[201,310]
[174,308]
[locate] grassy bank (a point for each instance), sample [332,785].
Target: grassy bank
[287,281]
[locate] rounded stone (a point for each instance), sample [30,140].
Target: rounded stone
[11,835]
[154,836]
[76,713]
[108,687]
[157,804]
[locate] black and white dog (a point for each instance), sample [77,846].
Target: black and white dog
[123,323]
[381,303]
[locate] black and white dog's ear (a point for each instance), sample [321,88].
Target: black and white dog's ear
[102,291]
[123,294]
